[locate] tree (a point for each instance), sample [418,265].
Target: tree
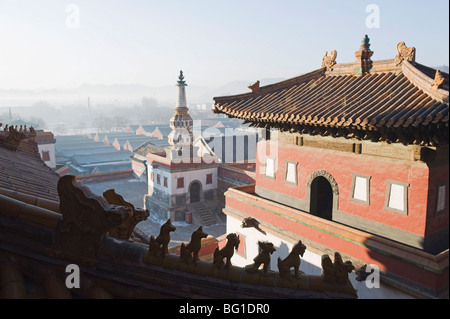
[119,122]
[102,123]
[37,122]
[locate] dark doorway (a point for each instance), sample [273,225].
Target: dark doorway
[321,198]
[195,192]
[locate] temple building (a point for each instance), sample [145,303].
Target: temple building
[182,177]
[354,159]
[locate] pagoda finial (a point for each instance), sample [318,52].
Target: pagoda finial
[365,41]
[181,79]
[363,63]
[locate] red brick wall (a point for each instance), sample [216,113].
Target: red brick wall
[238,174]
[341,166]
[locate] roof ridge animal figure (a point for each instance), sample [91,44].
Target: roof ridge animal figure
[328,61]
[292,260]
[363,273]
[337,271]
[160,244]
[226,252]
[189,252]
[254,87]
[125,230]
[251,222]
[265,250]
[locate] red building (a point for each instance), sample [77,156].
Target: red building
[355,160]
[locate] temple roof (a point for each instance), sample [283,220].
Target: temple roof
[21,167]
[387,95]
[148,147]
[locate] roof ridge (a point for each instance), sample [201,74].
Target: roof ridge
[11,138]
[435,87]
[278,85]
[378,66]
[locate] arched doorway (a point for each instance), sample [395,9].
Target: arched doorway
[194,191]
[321,201]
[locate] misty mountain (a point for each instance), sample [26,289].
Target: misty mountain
[101,93]
[165,95]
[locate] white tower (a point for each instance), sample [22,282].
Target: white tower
[181,137]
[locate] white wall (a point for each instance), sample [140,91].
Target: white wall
[189,176]
[51,149]
[310,262]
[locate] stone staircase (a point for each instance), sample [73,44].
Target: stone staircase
[202,215]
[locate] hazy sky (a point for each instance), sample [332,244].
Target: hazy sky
[58,43]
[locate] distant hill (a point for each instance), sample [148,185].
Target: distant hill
[130,93]
[98,94]
[165,95]
[236,87]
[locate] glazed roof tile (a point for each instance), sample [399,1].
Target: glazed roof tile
[23,171]
[389,96]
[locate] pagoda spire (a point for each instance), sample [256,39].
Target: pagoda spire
[363,63]
[181,101]
[181,121]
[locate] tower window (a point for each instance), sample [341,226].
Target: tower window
[45,155]
[180,182]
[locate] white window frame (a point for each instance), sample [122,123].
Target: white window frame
[387,206]
[295,181]
[273,159]
[353,187]
[446,199]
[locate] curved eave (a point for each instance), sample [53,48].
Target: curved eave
[394,98]
[274,87]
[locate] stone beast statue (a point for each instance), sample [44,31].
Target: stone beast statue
[125,230]
[226,252]
[189,252]
[265,250]
[160,244]
[292,260]
[337,271]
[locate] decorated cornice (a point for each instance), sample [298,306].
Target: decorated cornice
[405,53]
[328,61]
[11,136]
[125,230]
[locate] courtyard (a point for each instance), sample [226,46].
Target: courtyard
[133,191]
